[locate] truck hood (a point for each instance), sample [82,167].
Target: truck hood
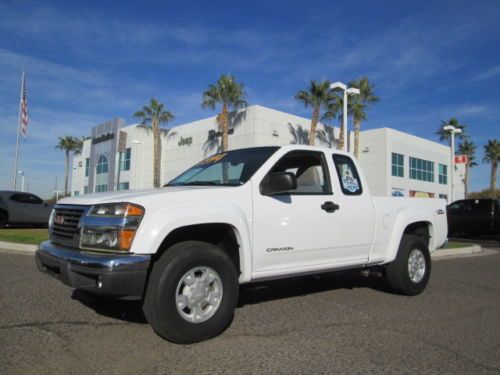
[138,196]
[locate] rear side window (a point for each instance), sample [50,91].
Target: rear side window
[26,198]
[350,182]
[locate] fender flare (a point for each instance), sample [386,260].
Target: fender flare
[404,218]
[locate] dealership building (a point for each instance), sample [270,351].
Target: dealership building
[120,157]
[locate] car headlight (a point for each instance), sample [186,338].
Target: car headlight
[110,227]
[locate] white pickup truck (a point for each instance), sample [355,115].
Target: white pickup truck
[238,217]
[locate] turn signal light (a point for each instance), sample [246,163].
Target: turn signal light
[125,238]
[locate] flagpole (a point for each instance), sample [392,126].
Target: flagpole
[18,131]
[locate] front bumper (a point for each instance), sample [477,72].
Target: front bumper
[108,274]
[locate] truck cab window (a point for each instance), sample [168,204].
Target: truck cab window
[310,170]
[350,183]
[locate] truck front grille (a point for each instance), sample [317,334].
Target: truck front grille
[65,221]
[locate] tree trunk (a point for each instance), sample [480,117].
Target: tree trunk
[314,123]
[357,127]
[156,153]
[466,180]
[493,182]
[225,142]
[340,143]
[66,169]
[225,128]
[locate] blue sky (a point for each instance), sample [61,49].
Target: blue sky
[90,61]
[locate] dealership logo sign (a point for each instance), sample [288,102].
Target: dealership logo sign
[103,138]
[185,141]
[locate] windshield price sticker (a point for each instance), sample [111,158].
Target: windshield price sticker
[213,159]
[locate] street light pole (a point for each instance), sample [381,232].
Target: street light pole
[346,92]
[22,180]
[453,130]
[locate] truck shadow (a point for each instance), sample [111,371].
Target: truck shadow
[305,285]
[250,294]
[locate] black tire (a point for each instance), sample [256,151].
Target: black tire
[397,272]
[4,219]
[160,298]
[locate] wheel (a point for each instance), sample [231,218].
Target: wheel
[192,292]
[411,270]
[3,219]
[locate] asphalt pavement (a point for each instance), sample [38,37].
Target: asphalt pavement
[338,323]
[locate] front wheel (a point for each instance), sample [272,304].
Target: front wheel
[3,219]
[192,292]
[409,273]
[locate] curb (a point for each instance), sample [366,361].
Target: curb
[21,247]
[443,253]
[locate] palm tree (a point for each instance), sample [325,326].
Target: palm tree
[68,144]
[492,155]
[318,96]
[228,93]
[154,115]
[445,135]
[358,104]
[467,148]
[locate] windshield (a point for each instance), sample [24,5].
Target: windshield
[232,168]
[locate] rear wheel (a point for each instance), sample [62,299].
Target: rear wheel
[192,292]
[410,272]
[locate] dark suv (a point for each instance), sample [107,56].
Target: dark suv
[474,216]
[23,208]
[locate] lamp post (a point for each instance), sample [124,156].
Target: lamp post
[22,180]
[453,130]
[138,142]
[347,91]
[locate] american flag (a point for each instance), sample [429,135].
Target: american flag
[24,108]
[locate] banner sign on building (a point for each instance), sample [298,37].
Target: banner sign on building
[460,159]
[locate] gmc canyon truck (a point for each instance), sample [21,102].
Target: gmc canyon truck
[237,217]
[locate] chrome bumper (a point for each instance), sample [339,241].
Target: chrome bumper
[110,274]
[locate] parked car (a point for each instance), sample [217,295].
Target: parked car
[23,208]
[474,217]
[238,217]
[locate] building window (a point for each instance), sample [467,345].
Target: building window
[443,174]
[422,170]
[76,193]
[87,167]
[125,160]
[102,174]
[398,165]
[85,190]
[101,188]
[123,186]
[102,165]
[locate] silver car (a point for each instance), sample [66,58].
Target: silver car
[23,208]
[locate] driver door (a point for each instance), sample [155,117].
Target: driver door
[296,231]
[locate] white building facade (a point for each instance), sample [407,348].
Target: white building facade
[119,157]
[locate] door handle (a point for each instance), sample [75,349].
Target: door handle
[330,207]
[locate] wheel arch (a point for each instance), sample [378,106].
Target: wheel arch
[419,224]
[222,225]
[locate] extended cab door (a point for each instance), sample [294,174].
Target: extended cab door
[302,230]
[357,213]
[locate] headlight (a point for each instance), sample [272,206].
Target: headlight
[116,209]
[110,227]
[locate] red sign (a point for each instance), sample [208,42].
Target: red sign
[460,159]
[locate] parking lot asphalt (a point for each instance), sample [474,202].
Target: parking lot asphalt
[337,323]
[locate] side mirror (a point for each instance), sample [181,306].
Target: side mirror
[278,182]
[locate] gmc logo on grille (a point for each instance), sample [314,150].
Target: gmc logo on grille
[59,219]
